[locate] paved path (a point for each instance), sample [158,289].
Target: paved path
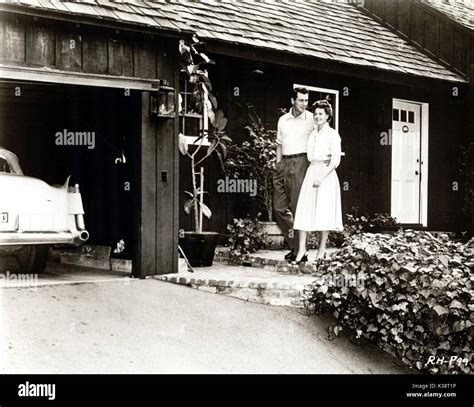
[148,326]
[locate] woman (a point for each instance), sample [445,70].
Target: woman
[319,202]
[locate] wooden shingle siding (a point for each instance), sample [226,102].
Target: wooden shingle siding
[144,60]
[431,42]
[37,42]
[95,54]
[69,50]
[379,8]
[391,13]
[12,39]
[417,29]
[40,43]
[325,27]
[442,30]
[403,18]
[446,42]
[460,46]
[120,57]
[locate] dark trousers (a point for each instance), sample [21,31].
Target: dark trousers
[287,181]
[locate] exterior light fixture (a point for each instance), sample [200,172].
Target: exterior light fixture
[162,100]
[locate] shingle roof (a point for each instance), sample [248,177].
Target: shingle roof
[461,11]
[336,32]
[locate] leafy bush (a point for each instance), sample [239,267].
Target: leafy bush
[246,236]
[255,159]
[413,295]
[378,222]
[335,239]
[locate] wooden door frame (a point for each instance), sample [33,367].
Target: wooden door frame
[424,138]
[156,232]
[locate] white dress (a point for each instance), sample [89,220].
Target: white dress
[320,208]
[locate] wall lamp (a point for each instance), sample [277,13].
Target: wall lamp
[162,100]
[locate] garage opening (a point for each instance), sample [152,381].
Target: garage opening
[88,133]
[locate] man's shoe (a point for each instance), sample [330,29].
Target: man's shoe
[290,256]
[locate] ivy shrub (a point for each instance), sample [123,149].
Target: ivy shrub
[246,236]
[353,225]
[413,296]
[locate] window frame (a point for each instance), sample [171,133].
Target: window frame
[182,115]
[333,92]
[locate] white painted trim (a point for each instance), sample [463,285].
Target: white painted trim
[424,128]
[56,76]
[204,120]
[191,141]
[425,162]
[331,91]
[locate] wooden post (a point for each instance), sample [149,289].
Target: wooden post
[157,222]
[201,198]
[145,246]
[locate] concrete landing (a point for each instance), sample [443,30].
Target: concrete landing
[247,283]
[272,260]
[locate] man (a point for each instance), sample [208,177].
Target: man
[294,129]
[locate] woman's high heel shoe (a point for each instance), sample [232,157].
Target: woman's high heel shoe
[304,259]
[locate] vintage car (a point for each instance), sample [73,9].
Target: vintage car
[35,215]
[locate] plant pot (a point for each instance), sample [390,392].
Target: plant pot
[199,248]
[274,234]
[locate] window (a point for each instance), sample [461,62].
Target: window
[403,116]
[396,115]
[191,122]
[332,96]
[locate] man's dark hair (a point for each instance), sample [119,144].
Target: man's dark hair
[304,91]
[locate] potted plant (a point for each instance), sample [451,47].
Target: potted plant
[256,160]
[198,245]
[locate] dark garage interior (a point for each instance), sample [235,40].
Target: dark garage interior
[33,116]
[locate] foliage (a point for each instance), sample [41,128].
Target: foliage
[354,224]
[192,61]
[246,236]
[413,296]
[256,160]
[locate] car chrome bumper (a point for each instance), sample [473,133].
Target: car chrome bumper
[15,238]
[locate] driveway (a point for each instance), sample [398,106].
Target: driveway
[148,326]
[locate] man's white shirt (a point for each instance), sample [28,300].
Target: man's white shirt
[293,132]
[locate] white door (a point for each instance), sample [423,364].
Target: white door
[406,162]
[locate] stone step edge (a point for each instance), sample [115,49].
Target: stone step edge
[292,295]
[253,260]
[185,280]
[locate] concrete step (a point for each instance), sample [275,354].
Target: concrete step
[249,284]
[272,260]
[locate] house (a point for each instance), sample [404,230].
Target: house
[444,30]
[98,66]
[402,113]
